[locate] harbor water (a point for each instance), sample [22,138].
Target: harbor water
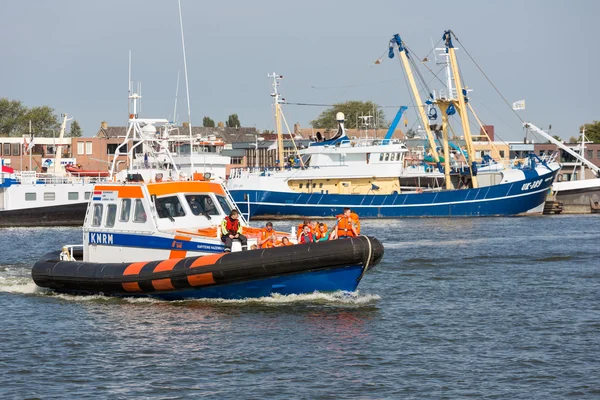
[494,308]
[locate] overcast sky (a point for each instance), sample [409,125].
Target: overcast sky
[73,56]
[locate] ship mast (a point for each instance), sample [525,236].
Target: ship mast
[276,101]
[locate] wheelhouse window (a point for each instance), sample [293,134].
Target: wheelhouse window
[202,204]
[139,214]
[111,215]
[97,215]
[30,196]
[169,207]
[125,210]
[224,204]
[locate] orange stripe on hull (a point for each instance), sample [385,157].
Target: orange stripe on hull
[135,268]
[201,279]
[132,286]
[167,265]
[178,253]
[162,284]
[206,260]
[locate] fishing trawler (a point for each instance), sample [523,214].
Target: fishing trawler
[374,178]
[153,232]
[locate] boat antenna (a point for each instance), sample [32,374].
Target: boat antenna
[187,87]
[176,95]
[277,108]
[129,87]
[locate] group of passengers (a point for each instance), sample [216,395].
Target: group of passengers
[346,226]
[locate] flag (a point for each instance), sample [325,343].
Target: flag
[30,145]
[519,105]
[273,146]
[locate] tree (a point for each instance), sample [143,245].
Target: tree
[411,133]
[14,119]
[555,137]
[573,139]
[352,110]
[207,122]
[233,121]
[592,131]
[75,129]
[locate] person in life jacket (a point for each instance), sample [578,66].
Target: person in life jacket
[323,234]
[267,237]
[348,225]
[285,242]
[231,229]
[306,236]
[301,228]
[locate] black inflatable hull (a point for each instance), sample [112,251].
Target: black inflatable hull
[324,266]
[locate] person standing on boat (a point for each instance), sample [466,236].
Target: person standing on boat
[306,236]
[267,238]
[231,230]
[348,225]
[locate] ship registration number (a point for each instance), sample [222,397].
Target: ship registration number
[532,185]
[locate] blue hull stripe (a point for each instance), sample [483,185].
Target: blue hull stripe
[504,199]
[151,242]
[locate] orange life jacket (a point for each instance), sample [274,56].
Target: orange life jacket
[233,225]
[264,233]
[344,227]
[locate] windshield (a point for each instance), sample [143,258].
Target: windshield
[202,204]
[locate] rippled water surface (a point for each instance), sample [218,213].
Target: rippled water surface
[505,308]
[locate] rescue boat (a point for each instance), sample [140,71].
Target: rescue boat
[146,240]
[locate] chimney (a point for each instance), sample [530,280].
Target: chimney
[104,125]
[221,124]
[296,128]
[490,131]
[186,124]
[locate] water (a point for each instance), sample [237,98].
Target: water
[505,308]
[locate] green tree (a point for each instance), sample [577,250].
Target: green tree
[352,110]
[555,137]
[411,133]
[10,112]
[573,139]
[233,121]
[592,131]
[75,130]
[207,122]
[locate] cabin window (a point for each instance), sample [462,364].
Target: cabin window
[6,149]
[97,218]
[169,207]
[111,215]
[320,185]
[380,156]
[125,210]
[87,195]
[224,204]
[314,185]
[387,156]
[501,153]
[16,149]
[139,214]
[49,196]
[73,195]
[301,186]
[30,196]
[202,204]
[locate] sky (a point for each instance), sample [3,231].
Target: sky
[72,55]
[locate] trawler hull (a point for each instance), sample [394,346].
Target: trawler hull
[324,266]
[511,198]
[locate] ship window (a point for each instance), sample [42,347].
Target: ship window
[501,153]
[169,207]
[73,195]
[49,196]
[320,185]
[87,195]
[139,213]
[202,204]
[97,215]
[125,210]
[387,156]
[30,196]
[301,186]
[314,185]
[380,156]
[224,204]
[111,215]
[6,148]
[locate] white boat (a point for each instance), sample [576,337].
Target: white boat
[30,198]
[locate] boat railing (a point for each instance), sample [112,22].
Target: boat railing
[360,142]
[67,252]
[33,178]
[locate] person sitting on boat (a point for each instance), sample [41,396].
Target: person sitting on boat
[267,237]
[231,229]
[323,234]
[348,225]
[285,242]
[195,206]
[306,236]
[301,227]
